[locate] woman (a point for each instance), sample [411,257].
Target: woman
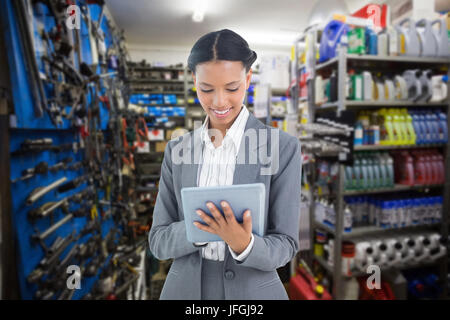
[243,265]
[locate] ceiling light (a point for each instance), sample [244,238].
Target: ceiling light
[199,11]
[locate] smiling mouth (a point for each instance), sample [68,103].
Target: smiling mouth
[221,113]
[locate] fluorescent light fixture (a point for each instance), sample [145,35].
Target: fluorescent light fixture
[199,11]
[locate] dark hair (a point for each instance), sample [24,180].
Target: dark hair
[221,45]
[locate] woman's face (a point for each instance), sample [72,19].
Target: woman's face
[221,87]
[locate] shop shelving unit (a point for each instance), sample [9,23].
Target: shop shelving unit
[341,63]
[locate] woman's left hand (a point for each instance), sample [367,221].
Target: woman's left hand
[235,234]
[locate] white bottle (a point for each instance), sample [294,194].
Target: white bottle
[319,90]
[362,250]
[393,41]
[382,44]
[351,289]
[368,86]
[348,219]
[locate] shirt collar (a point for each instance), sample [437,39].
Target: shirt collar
[234,132]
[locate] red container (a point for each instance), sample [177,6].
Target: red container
[303,287]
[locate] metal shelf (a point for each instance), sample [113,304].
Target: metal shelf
[377,104]
[342,63]
[160,104]
[330,270]
[351,103]
[373,230]
[326,64]
[396,188]
[368,57]
[155,68]
[154,81]
[155,92]
[401,59]
[395,147]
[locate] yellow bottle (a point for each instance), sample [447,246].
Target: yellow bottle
[387,128]
[409,126]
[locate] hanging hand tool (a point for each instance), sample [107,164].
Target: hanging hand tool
[41,236]
[37,88]
[39,192]
[48,208]
[40,168]
[60,165]
[72,184]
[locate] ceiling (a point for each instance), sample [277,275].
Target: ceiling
[263,23]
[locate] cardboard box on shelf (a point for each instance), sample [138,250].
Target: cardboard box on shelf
[169,134]
[160,146]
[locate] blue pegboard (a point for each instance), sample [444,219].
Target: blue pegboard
[29,127]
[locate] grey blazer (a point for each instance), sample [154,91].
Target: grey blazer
[255,277]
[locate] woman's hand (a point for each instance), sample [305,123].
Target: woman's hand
[236,235]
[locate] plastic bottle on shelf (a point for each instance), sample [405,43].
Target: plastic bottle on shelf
[357,172]
[402,212]
[409,126]
[382,170]
[370,172]
[393,41]
[443,130]
[364,182]
[382,44]
[356,92]
[425,128]
[366,128]
[387,133]
[419,169]
[348,219]
[385,214]
[395,215]
[407,169]
[368,86]
[433,124]
[390,170]
[409,208]
[351,289]
[438,213]
[359,132]
[434,164]
[440,168]
[377,171]
[371,209]
[371,41]
[417,128]
[428,167]
[363,255]
[399,135]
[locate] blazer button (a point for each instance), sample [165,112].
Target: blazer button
[229,275]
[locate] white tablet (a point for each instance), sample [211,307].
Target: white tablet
[240,197]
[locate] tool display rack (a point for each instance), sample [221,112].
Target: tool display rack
[341,64]
[21,256]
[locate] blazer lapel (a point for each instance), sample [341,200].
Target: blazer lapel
[245,172]
[189,170]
